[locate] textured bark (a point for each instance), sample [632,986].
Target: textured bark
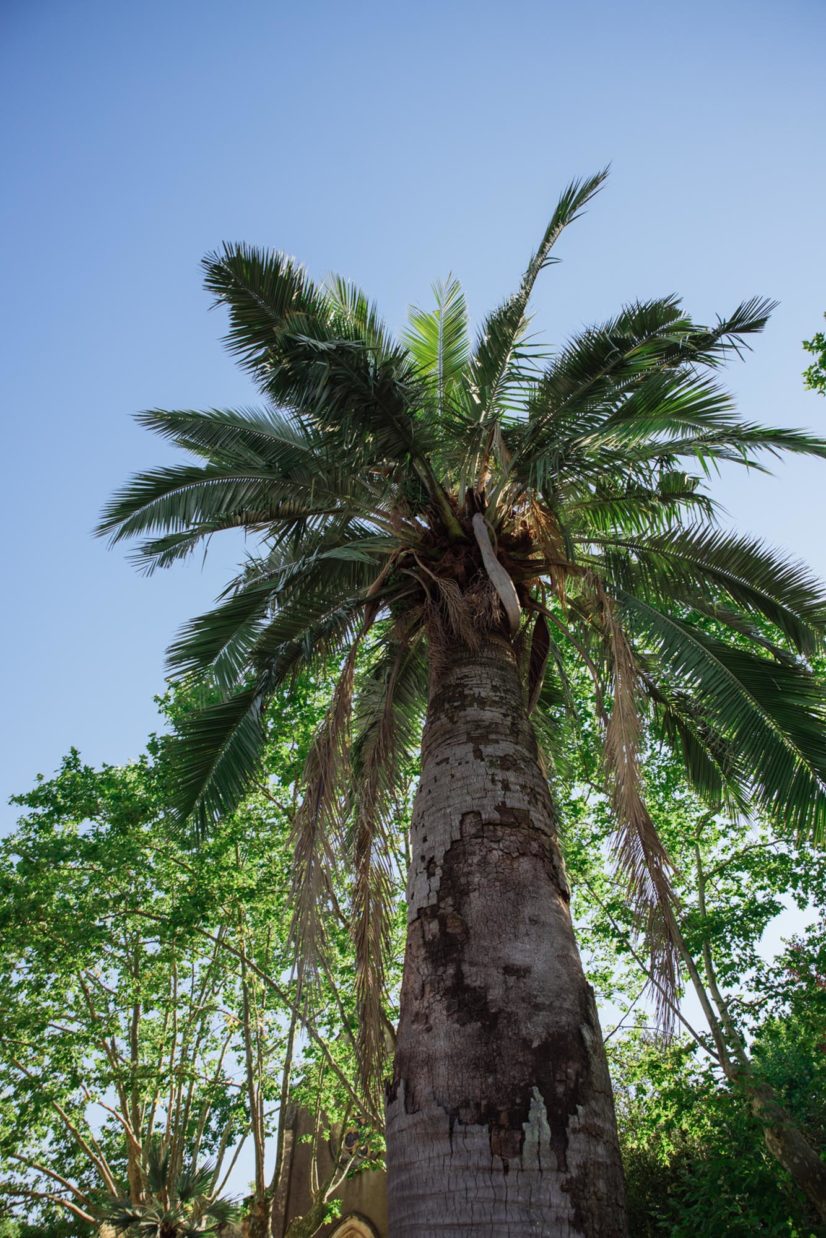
[788,1144]
[500,1115]
[281,1193]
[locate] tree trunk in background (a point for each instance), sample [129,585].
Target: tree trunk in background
[783,1137]
[787,1143]
[500,1116]
[281,1177]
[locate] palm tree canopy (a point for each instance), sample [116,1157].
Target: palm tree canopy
[175,1203]
[432,489]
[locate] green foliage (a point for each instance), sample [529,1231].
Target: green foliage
[814,377]
[148,986]
[694,1156]
[176,1205]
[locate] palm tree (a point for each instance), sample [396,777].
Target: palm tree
[453,514]
[175,1205]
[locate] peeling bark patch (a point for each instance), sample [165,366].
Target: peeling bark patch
[557,1067]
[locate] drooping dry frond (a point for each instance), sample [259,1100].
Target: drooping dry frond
[317,823]
[638,848]
[537,660]
[388,714]
[455,610]
[372,914]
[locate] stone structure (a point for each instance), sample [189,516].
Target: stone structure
[363,1196]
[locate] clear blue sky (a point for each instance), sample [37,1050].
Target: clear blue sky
[393,143]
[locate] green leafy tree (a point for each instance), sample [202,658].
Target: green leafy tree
[467,506]
[712,1123]
[695,1163]
[148,989]
[814,376]
[695,1160]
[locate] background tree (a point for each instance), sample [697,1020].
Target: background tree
[150,997]
[701,1116]
[466,504]
[814,376]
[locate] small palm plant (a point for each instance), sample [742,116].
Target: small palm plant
[466,517]
[177,1205]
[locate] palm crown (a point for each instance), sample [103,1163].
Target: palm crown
[431,491]
[176,1205]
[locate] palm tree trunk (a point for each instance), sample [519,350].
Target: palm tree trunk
[500,1115]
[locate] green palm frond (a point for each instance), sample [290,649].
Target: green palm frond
[327,567]
[502,364]
[265,437]
[308,354]
[158,1161]
[218,751]
[222,1212]
[183,497]
[684,563]
[773,715]
[175,1204]
[356,317]
[645,342]
[261,290]
[706,755]
[631,506]
[437,339]
[194,1183]
[739,443]
[157,552]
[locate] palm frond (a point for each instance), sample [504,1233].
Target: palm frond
[641,856]
[686,563]
[217,753]
[606,361]
[707,757]
[437,340]
[336,563]
[741,442]
[222,1212]
[773,715]
[356,317]
[197,499]
[631,506]
[194,1182]
[261,289]
[262,436]
[501,362]
[388,716]
[158,1161]
[308,353]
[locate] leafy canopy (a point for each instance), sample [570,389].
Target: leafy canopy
[440,490]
